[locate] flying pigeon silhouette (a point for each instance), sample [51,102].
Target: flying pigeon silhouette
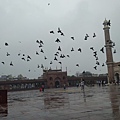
[38,66]
[102,49]
[57,40]
[95,67]
[114,51]
[59,48]
[37,53]
[92,48]
[108,23]
[60,62]
[62,34]
[52,32]
[79,49]
[85,38]
[55,58]
[42,51]
[41,42]
[45,57]
[103,65]
[72,38]
[11,64]
[18,54]
[8,54]
[77,65]
[40,45]
[23,58]
[6,44]
[72,49]
[3,62]
[28,57]
[37,41]
[94,35]
[59,31]
[68,56]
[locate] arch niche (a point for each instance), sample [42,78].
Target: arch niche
[117,77]
[57,82]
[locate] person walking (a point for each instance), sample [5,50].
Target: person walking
[82,85]
[64,86]
[43,88]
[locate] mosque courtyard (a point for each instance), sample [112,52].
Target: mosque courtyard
[94,103]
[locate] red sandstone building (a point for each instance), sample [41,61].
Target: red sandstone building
[55,78]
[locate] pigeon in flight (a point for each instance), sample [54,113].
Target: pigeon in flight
[95,67]
[79,49]
[59,48]
[6,44]
[11,64]
[92,48]
[8,54]
[72,38]
[103,65]
[113,44]
[87,35]
[55,58]
[97,63]
[85,38]
[37,53]
[37,41]
[23,58]
[3,62]
[59,31]
[94,35]
[52,32]
[62,34]
[42,51]
[72,49]
[18,54]
[57,40]
[68,56]
[96,58]
[77,65]
[42,66]
[45,57]
[108,23]
[41,42]
[56,54]
[114,51]
[95,53]
[40,45]
[38,66]
[60,62]
[102,49]
[28,57]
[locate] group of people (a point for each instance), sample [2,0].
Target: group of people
[77,84]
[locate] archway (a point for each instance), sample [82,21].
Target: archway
[57,84]
[117,77]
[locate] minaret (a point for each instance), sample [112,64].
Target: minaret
[109,56]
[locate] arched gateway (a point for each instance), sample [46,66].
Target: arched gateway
[55,78]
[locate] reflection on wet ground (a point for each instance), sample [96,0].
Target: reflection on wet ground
[95,103]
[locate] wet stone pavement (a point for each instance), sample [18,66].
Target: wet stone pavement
[95,103]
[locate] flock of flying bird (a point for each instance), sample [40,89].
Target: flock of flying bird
[58,54]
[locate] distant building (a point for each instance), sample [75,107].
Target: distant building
[117,72]
[55,78]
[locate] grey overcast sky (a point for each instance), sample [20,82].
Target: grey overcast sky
[22,22]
